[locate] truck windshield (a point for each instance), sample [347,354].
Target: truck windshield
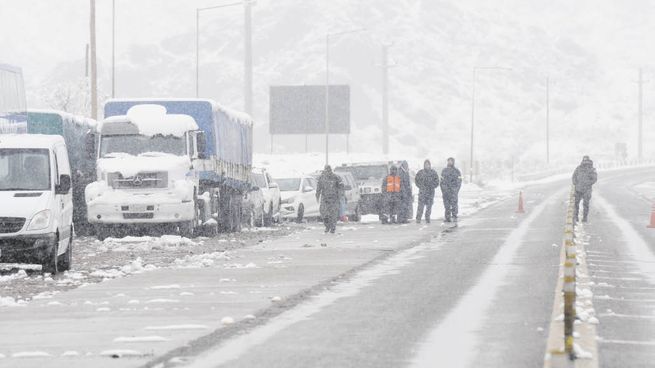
[24,169]
[289,184]
[139,144]
[362,173]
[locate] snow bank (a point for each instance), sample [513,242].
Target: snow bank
[7,301]
[146,243]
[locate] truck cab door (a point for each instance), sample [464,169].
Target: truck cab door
[63,198]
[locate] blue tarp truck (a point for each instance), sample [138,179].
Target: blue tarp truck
[180,164]
[74,129]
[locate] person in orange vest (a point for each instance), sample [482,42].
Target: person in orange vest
[391,189]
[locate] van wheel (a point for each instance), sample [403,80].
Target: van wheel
[187,229]
[49,262]
[64,263]
[301,213]
[102,232]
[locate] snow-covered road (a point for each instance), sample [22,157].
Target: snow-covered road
[372,296]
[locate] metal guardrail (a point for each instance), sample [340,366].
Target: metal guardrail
[569,288]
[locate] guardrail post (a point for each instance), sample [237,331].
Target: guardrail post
[569,278]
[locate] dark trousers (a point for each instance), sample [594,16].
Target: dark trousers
[585,198]
[392,207]
[451,206]
[424,203]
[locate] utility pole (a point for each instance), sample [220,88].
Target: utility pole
[247,63]
[640,152]
[327,98]
[548,120]
[94,71]
[385,99]
[113,48]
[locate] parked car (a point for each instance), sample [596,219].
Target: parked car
[369,177]
[36,216]
[253,207]
[351,191]
[271,192]
[298,197]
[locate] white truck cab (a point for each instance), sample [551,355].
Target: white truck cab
[145,172]
[36,216]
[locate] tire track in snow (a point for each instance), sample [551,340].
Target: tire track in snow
[453,342]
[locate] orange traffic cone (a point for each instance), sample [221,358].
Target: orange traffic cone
[652,218]
[521,209]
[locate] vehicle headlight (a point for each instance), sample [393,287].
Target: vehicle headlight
[40,221]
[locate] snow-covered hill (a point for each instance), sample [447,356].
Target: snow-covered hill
[436,45]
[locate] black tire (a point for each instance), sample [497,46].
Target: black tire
[65,261]
[188,229]
[49,262]
[250,221]
[268,218]
[301,213]
[102,232]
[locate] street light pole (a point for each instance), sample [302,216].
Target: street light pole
[548,120]
[198,10]
[327,86]
[113,48]
[475,77]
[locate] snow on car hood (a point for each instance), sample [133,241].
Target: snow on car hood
[23,206]
[129,165]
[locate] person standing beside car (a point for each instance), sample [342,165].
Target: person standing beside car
[451,182]
[427,181]
[329,192]
[406,195]
[391,194]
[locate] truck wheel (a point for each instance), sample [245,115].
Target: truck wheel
[268,217]
[102,232]
[66,260]
[49,262]
[356,217]
[187,229]
[259,220]
[301,213]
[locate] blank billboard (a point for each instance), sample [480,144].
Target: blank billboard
[301,109]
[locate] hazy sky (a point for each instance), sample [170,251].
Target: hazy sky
[37,34]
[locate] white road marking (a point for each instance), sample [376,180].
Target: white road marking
[637,246]
[452,342]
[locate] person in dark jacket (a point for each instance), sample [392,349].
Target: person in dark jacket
[329,192]
[427,180]
[406,196]
[391,192]
[584,177]
[451,182]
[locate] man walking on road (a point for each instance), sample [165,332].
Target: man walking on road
[406,195]
[391,187]
[427,180]
[329,191]
[584,177]
[451,182]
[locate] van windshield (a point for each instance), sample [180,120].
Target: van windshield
[363,173]
[139,144]
[24,169]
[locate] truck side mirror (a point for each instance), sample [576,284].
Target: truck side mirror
[201,144]
[64,185]
[90,145]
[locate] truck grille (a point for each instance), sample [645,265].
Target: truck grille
[11,224]
[144,180]
[140,216]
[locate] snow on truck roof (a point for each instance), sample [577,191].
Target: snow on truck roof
[150,119]
[236,115]
[30,140]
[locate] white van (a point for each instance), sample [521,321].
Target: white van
[36,216]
